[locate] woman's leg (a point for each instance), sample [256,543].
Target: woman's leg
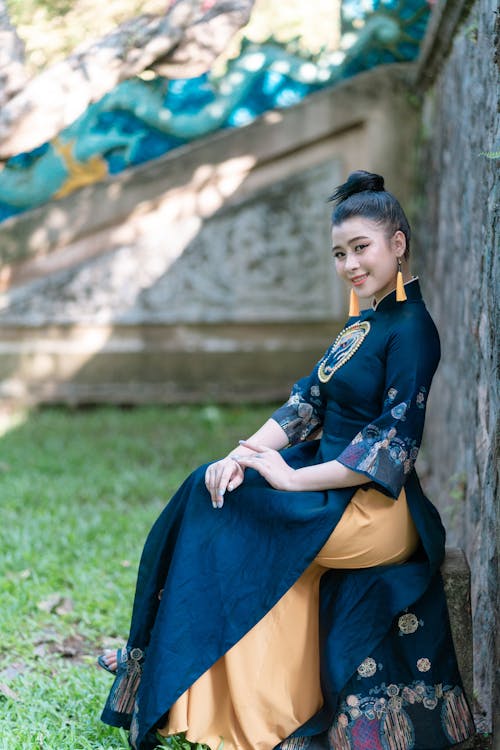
[374,530]
[268,684]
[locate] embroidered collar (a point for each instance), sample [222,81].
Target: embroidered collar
[388,301]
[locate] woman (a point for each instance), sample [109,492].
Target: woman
[291,596]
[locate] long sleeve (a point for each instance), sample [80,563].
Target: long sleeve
[303,413]
[385,449]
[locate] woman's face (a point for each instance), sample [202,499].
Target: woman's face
[365,257]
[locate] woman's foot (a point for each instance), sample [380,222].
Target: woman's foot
[109,660]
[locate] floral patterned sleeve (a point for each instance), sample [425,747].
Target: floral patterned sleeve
[385,450]
[303,413]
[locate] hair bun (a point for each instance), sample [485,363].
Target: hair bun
[358,182]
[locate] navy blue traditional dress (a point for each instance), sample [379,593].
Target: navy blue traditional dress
[389,677]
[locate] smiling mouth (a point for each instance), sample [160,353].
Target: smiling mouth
[357,280]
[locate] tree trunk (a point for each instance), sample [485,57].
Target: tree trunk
[185,41]
[12,72]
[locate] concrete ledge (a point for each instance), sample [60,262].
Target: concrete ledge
[158,364]
[456,578]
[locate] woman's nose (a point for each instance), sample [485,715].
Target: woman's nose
[351,261]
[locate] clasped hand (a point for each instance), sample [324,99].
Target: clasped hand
[228,473]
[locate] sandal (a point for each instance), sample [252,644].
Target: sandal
[103,665]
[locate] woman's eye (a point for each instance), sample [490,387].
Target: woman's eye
[338,254]
[359,248]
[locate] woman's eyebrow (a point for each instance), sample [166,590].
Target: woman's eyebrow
[353,239]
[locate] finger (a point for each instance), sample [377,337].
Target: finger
[235,483]
[213,487]
[236,478]
[211,482]
[219,475]
[213,495]
[219,468]
[210,478]
[222,483]
[224,472]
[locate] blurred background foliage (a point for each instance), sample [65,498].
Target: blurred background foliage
[51,29]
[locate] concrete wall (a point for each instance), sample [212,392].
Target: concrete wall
[206,273]
[458,257]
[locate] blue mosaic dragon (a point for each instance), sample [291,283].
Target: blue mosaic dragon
[141,120]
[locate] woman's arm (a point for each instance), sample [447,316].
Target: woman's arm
[326,476]
[269,463]
[271,434]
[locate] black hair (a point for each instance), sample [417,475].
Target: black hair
[363,194]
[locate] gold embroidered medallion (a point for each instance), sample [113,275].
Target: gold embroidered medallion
[345,345]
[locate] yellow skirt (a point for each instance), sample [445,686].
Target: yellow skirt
[268,684]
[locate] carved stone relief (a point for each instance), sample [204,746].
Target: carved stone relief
[264,257]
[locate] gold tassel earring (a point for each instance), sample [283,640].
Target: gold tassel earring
[353,305]
[400,287]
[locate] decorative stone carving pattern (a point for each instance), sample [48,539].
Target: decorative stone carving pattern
[264,258]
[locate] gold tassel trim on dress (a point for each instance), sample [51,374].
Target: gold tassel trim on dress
[296,743]
[123,692]
[400,287]
[456,717]
[353,304]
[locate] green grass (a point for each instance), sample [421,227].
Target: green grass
[78,493]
